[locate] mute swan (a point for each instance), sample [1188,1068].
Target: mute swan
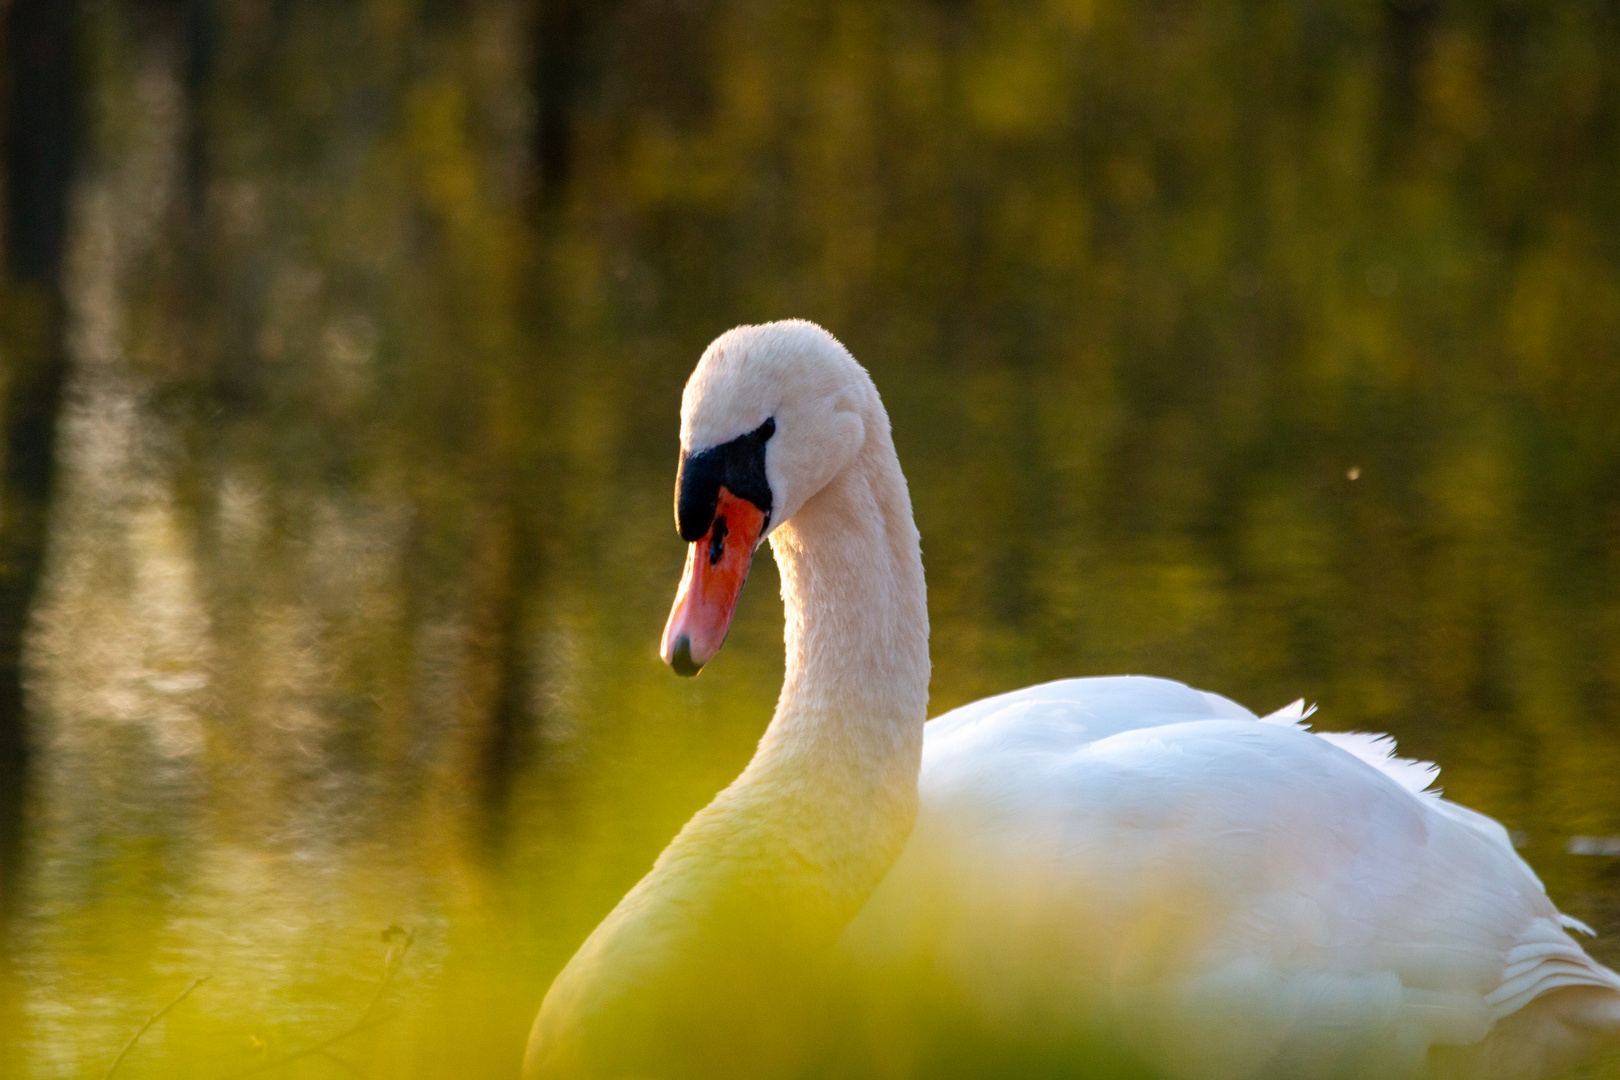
[1119,867]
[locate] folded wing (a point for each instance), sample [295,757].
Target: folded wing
[1226,896]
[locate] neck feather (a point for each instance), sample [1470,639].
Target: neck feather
[734,926]
[855,690]
[834,780]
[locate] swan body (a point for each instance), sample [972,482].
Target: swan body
[1228,895]
[1124,874]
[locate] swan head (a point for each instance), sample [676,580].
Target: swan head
[770,416]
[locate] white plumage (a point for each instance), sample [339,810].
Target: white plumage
[1236,895]
[1089,873]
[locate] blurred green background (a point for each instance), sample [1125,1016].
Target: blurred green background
[1273,347]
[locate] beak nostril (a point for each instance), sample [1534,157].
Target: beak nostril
[717,540]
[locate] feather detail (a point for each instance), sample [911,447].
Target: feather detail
[1377,750]
[1294,714]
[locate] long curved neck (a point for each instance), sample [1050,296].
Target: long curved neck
[848,726]
[856,605]
[713,965]
[830,796]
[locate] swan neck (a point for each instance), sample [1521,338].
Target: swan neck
[854,599]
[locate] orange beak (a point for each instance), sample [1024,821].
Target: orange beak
[716,567]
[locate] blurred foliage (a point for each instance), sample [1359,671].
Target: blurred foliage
[1273,347]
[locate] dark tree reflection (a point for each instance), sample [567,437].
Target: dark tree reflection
[41,139]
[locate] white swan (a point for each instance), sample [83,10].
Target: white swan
[1118,873]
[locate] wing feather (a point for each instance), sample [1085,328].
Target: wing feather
[1133,848]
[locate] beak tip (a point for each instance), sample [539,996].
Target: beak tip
[680,658]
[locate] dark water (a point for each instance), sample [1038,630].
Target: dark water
[1272,347]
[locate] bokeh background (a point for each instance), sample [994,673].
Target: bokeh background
[1270,346]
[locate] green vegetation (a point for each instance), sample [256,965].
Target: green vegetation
[1274,347]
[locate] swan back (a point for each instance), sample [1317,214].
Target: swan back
[1222,894]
